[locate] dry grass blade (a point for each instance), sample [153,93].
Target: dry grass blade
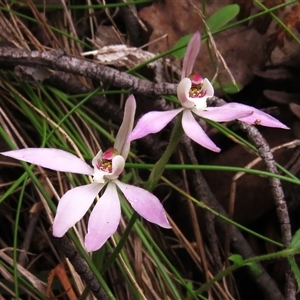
[38,284]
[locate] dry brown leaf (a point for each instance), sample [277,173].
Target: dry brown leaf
[242,48]
[121,56]
[280,43]
[60,272]
[31,278]
[262,23]
[174,18]
[36,74]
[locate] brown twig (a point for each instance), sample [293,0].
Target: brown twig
[238,242]
[281,207]
[80,267]
[212,237]
[264,152]
[58,60]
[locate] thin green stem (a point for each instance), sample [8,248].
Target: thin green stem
[216,168]
[159,167]
[15,242]
[281,254]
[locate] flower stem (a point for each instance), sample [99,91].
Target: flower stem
[250,261]
[154,177]
[159,167]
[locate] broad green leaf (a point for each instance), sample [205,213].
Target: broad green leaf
[295,243]
[181,43]
[295,270]
[222,17]
[229,88]
[232,88]
[237,259]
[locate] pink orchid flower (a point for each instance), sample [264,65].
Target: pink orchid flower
[108,165]
[193,92]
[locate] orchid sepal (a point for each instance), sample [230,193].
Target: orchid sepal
[50,158]
[152,122]
[145,204]
[73,205]
[122,144]
[104,219]
[257,118]
[195,132]
[191,54]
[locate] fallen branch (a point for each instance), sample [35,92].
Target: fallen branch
[58,60]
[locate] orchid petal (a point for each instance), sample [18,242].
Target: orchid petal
[192,51]
[152,122]
[104,219]
[97,158]
[257,118]
[221,114]
[195,132]
[208,89]
[145,204]
[72,207]
[183,90]
[54,159]
[118,164]
[121,143]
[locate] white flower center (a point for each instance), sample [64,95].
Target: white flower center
[102,168]
[197,95]
[98,176]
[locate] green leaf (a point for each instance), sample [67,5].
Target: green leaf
[295,243]
[190,285]
[222,17]
[232,88]
[229,88]
[237,259]
[295,270]
[181,43]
